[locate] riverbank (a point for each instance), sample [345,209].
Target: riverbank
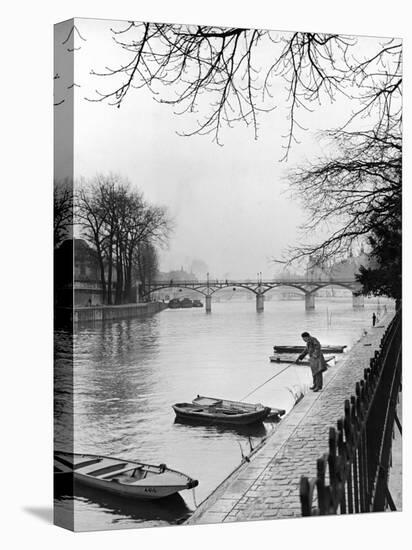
[91,314]
[267,487]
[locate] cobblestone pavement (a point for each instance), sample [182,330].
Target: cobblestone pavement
[267,487]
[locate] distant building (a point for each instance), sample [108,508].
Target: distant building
[344,270]
[175,276]
[317,269]
[86,265]
[83,287]
[286,274]
[349,267]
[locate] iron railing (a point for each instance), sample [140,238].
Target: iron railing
[353,476]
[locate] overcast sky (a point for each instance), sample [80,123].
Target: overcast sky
[228,203]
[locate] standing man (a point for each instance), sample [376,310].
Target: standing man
[316,360]
[374,319]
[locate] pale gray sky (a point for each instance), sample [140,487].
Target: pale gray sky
[226,202]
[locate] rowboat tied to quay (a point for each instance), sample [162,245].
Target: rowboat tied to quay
[122,477]
[300,349]
[291,358]
[212,410]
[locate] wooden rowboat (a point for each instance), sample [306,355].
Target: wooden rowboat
[291,358]
[201,399]
[213,410]
[127,478]
[299,349]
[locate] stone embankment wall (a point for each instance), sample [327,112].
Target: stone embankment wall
[110,313]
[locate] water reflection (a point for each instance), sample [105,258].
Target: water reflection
[63,388]
[212,431]
[117,509]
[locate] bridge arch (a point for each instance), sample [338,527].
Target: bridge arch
[347,286]
[173,286]
[243,286]
[279,285]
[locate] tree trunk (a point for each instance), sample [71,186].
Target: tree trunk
[128,276]
[119,270]
[102,275]
[110,273]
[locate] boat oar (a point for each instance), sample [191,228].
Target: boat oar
[194,497]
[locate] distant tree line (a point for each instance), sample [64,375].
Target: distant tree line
[124,230]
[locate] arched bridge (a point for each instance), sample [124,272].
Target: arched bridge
[308,287]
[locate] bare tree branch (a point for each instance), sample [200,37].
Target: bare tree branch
[351,192]
[217,71]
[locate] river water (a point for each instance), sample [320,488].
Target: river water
[127,374]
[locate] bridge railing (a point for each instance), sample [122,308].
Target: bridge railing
[229,282]
[353,476]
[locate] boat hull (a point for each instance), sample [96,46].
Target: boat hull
[119,477]
[300,349]
[142,493]
[186,411]
[291,358]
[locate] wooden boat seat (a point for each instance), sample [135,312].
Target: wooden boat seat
[109,468]
[139,473]
[207,401]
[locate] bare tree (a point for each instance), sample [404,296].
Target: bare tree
[117,221]
[351,192]
[146,227]
[229,75]
[63,211]
[91,216]
[70,44]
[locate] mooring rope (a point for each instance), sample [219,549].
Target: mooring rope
[194,497]
[268,380]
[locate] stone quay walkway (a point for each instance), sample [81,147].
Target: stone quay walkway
[267,487]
